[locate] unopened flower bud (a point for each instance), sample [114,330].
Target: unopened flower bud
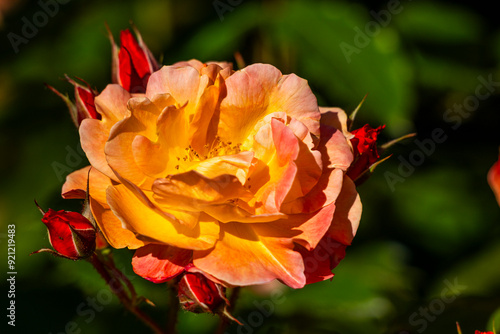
[84,105]
[198,294]
[364,144]
[71,235]
[133,63]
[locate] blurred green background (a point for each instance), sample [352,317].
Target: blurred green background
[423,230]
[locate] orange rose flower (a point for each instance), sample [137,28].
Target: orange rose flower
[238,175]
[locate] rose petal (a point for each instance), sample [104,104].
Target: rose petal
[320,261]
[347,215]
[118,149]
[259,90]
[335,149]
[111,228]
[151,223]
[112,105]
[76,184]
[160,263]
[255,259]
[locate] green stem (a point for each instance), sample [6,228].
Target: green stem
[117,287]
[225,322]
[173,310]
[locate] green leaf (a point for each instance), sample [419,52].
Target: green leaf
[438,22]
[344,62]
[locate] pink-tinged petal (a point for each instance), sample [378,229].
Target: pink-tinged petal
[306,229]
[139,215]
[259,90]
[335,149]
[112,229]
[76,185]
[494,179]
[198,65]
[285,141]
[160,263]
[309,171]
[347,215]
[276,148]
[322,194]
[184,84]
[298,101]
[335,118]
[195,63]
[112,104]
[312,226]
[320,261]
[255,257]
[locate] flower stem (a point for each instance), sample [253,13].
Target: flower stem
[224,322]
[116,284]
[173,311]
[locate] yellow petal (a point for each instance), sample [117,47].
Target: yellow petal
[192,191]
[150,222]
[234,164]
[118,149]
[202,118]
[111,228]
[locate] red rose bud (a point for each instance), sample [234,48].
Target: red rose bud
[71,235]
[84,106]
[459,330]
[198,294]
[494,179]
[364,144]
[133,63]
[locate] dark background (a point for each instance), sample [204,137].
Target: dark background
[436,226]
